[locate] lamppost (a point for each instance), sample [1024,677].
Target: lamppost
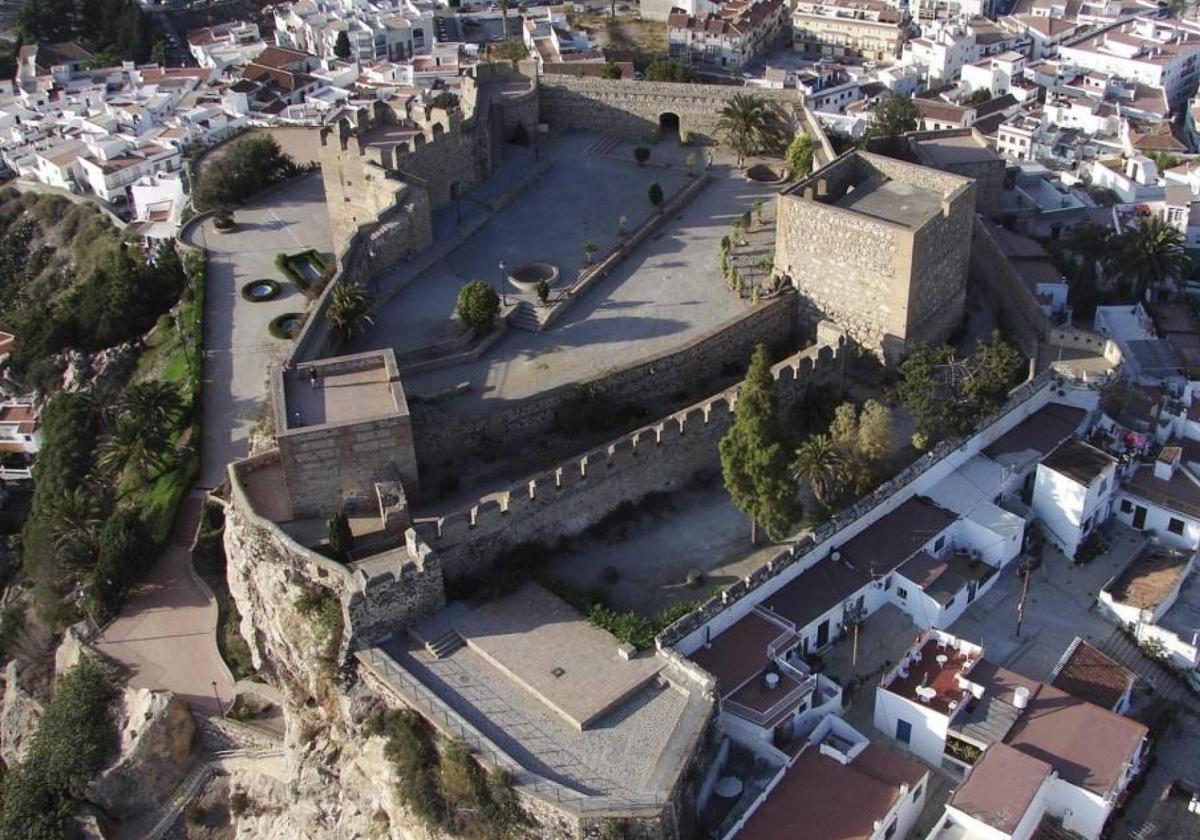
[220,706]
[503,275]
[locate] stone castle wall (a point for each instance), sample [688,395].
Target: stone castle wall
[632,109]
[514,423]
[565,500]
[941,262]
[1025,322]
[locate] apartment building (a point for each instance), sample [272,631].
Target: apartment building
[1152,51]
[736,34]
[834,28]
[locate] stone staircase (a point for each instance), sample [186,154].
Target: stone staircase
[445,644]
[604,145]
[525,317]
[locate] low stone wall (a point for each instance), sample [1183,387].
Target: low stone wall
[445,437]
[565,500]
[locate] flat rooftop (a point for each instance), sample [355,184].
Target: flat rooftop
[1079,461]
[1038,433]
[345,389]
[553,651]
[1150,578]
[892,201]
[937,668]
[954,150]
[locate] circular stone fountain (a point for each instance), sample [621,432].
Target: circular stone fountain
[764,173]
[257,291]
[527,275]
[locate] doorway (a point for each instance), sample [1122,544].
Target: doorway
[1139,517]
[668,125]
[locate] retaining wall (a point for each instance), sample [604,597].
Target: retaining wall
[444,436]
[565,500]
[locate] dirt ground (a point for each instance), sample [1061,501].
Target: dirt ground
[208,817]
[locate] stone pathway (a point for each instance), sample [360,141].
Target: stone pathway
[164,634]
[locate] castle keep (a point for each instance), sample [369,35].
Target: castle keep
[880,248]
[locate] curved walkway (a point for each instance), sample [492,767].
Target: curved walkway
[164,634]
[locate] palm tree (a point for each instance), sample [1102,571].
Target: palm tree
[821,464]
[77,516]
[350,309]
[1149,255]
[155,403]
[135,447]
[750,124]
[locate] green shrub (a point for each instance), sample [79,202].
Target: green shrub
[478,305]
[655,194]
[641,154]
[245,168]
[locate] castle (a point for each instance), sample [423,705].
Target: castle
[346,438]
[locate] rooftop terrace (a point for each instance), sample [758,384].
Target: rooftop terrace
[347,389]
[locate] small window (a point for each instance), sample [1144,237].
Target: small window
[950,603]
[916,794]
[1103,485]
[903,731]
[1126,506]
[891,831]
[887,583]
[1175,526]
[902,592]
[941,541]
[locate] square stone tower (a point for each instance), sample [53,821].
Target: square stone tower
[879,247]
[342,426]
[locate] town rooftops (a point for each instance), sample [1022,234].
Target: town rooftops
[955,147]
[1089,746]
[1040,432]
[820,798]
[281,58]
[1079,461]
[1151,577]
[1001,786]
[1086,673]
[1179,493]
[815,592]
[886,543]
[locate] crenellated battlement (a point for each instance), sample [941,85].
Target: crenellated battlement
[658,457]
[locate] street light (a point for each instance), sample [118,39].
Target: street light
[220,706]
[503,274]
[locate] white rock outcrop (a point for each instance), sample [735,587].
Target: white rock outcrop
[19,718]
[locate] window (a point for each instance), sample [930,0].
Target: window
[916,794]
[941,541]
[890,832]
[887,583]
[1175,526]
[903,731]
[950,603]
[902,592]
[1103,485]
[1126,506]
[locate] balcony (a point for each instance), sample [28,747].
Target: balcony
[771,696]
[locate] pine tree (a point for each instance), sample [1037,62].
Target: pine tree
[341,47]
[754,461]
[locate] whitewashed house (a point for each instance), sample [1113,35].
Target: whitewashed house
[1073,492]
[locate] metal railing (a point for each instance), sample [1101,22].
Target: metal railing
[764,718]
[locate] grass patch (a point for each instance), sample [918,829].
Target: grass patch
[210,563]
[294,266]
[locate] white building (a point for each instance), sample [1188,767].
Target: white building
[20,430]
[1149,50]
[1163,499]
[1028,751]
[736,34]
[1157,598]
[1073,492]
[225,45]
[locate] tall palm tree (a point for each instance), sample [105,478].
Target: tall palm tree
[156,403]
[350,309]
[751,124]
[1150,255]
[821,464]
[134,447]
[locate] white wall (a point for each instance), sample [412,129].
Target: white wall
[929,726]
[1157,520]
[1064,506]
[1081,811]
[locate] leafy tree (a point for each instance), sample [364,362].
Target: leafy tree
[750,124]
[843,428]
[978,97]
[655,194]
[135,448]
[667,70]
[754,463]
[800,156]
[341,538]
[945,394]
[1149,256]
[444,100]
[245,168]
[158,53]
[876,432]
[350,309]
[894,115]
[513,51]
[820,462]
[478,305]
[341,46]
[125,551]
[612,70]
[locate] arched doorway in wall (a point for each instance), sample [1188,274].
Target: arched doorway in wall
[668,126]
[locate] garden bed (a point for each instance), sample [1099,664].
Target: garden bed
[263,289]
[304,268]
[286,326]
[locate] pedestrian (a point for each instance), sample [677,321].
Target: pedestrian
[312,378]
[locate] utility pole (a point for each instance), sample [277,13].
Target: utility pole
[1026,568]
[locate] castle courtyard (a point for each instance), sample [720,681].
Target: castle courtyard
[667,292]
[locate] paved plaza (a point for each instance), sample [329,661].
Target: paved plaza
[238,348]
[667,292]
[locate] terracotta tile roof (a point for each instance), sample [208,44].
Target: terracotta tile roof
[738,653]
[1090,747]
[820,798]
[1179,493]
[932,109]
[1090,675]
[280,57]
[1001,786]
